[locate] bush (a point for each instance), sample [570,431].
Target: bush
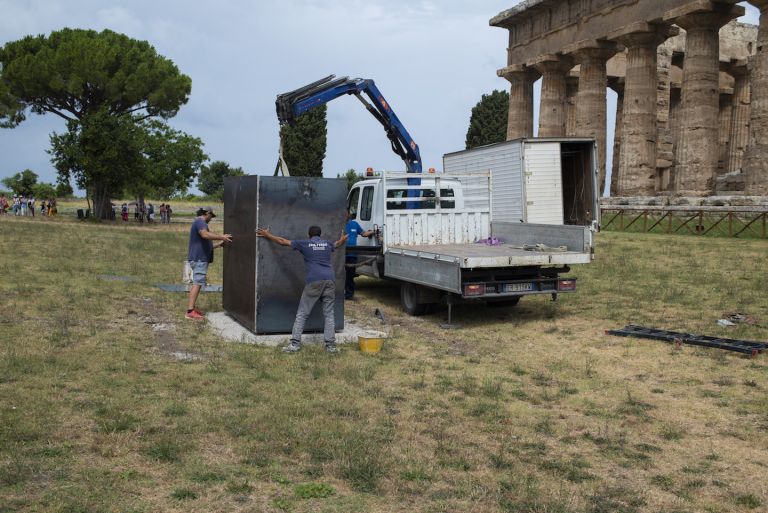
[44,190]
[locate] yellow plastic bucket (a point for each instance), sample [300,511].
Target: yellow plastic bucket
[371,341]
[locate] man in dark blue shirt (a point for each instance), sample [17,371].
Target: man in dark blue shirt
[320,283]
[353,230]
[200,254]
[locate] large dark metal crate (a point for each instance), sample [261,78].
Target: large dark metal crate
[262,280]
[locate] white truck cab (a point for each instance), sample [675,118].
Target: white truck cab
[369,203]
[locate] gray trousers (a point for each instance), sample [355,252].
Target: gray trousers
[325,290]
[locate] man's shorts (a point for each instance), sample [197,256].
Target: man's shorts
[199,271]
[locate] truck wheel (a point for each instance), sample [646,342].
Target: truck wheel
[504,303]
[409,299]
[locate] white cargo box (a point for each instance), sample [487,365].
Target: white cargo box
[550,181]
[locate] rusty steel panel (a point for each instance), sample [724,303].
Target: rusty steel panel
[262,280]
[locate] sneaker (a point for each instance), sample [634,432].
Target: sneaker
[194,314]
[293,347]
[330,347]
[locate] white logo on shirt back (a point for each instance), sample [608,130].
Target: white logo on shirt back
[318,246]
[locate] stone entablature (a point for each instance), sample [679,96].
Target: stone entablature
[539,27]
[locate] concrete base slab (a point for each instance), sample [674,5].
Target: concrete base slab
[229,329]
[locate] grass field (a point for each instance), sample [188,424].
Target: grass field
[530,409]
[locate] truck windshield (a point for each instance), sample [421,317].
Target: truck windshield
[393,195]
[354,199]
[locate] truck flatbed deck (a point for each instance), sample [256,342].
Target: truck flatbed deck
[471,256]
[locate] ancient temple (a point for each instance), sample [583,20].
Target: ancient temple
[691,86]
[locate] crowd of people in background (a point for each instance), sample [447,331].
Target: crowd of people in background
[146,213]
[22,205]
[165,213]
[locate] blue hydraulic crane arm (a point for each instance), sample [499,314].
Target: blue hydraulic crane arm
[293,104]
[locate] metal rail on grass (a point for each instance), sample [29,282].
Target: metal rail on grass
[722,221]
[749,347]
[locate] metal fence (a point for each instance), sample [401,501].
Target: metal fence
[747,222]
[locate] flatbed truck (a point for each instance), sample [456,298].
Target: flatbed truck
[460,236]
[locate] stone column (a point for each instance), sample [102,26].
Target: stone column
[675,99]
[697,150]
[739,116]
[590,99]
[756,156]
[553,69]
[617,84]
[637,156]
[520,116]
[571,90]
[724,139]
[664,153]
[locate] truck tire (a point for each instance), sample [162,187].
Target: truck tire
[409,299]
[504,303]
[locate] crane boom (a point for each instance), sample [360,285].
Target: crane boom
[294,103]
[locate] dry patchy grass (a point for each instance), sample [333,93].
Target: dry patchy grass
[530,409]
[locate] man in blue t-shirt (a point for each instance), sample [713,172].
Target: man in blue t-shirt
[200,254]
[320,283]
[353,230]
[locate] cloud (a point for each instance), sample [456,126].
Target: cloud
[119,19]
[752,14]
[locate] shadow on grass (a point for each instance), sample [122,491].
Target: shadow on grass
[472,314]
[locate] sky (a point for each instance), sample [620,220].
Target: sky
[432,61]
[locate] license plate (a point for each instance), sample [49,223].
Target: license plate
[518,287]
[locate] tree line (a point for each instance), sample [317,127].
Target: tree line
[25,184]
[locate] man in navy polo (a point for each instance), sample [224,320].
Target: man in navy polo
[320,283]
